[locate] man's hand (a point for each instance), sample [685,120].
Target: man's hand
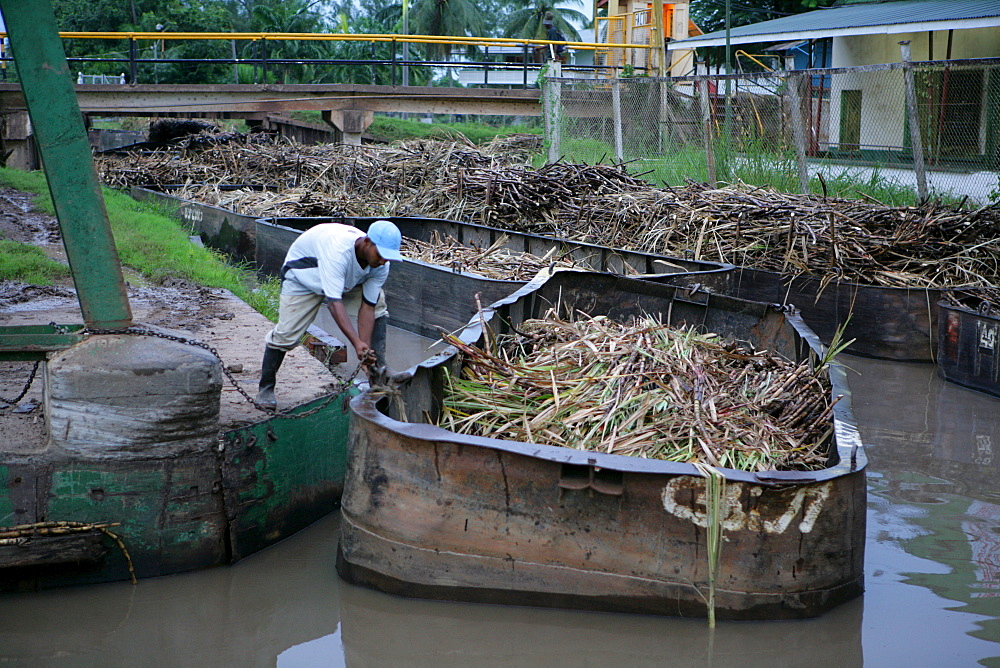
[360,340]
[366,354]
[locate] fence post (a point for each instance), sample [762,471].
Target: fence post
[795,87]
[133,69]
[706,123]
[911,109]
[263,60]
[236,66]
[524,61]
[616,111]
[392,65]
[664,128]
[552,97]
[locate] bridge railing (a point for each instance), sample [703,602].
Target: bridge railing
[531,50]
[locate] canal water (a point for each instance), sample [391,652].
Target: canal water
[932,573]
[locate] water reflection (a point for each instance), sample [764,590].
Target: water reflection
[243,615]
[379,630]
[934,482]
[914,422]
[933,595]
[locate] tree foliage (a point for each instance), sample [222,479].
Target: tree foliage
[526,19]
[508,18]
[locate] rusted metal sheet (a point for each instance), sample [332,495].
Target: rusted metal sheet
[177,514]
[327,349]
[170,513]
[434,514]
[968,344]
[885,323]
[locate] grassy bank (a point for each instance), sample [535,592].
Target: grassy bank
[149,241]
[390,129]
[395,129]
[21,262]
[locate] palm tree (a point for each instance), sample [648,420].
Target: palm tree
[445,17]
[290,16]
[526,21]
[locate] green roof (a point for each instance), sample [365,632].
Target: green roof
[863,17]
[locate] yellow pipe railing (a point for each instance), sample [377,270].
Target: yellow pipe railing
[341,37]
[743,53]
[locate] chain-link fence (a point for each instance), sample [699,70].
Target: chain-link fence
[847,131]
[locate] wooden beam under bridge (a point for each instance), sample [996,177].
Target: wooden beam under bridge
[241,99]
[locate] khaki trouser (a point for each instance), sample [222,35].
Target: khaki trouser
[297,312]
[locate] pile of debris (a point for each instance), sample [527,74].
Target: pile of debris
[497,261]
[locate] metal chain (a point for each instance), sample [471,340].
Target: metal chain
[343,386]
[27,386]
[138,331]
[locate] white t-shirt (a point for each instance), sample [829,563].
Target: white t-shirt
[322,261]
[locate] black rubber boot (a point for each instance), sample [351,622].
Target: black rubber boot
[268,372]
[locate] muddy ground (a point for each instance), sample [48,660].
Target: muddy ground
[210,315]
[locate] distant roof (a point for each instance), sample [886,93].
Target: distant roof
[870,18]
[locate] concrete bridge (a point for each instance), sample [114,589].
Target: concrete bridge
[348,108]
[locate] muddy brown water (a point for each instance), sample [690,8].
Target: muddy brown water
[932,571]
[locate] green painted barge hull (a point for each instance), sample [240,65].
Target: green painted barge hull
[263,483]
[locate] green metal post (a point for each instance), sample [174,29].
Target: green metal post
[69,166]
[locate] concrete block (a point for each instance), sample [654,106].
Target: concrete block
[125,396]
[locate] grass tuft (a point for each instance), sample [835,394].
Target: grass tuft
[27,264]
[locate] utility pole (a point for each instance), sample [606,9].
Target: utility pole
[406,45]
[727,121]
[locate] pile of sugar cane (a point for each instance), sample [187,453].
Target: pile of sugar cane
[932,245]
[927,246]
[496,261]
[645,390]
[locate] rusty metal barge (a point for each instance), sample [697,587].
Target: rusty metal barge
[884,322]
[433,514]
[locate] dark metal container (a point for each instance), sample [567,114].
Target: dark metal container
[433,514]
[221,229]
[967,344]
[885,323]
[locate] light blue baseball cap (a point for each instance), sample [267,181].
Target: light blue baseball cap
[387,239]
